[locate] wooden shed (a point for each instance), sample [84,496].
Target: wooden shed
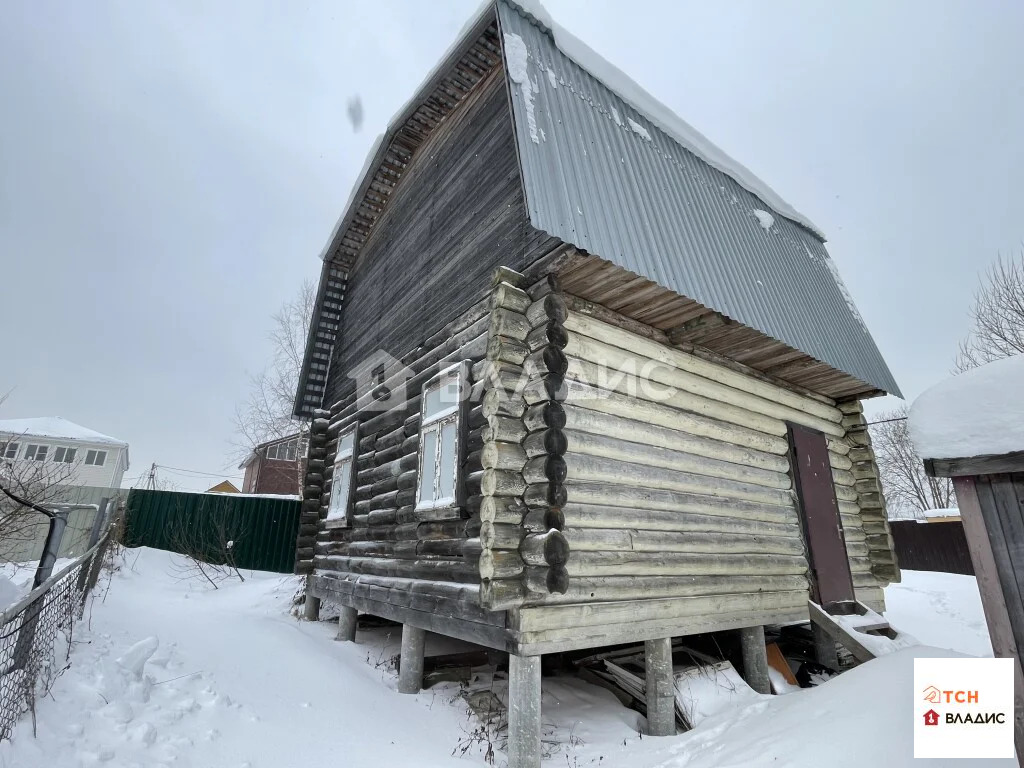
[971,429]
[577,378]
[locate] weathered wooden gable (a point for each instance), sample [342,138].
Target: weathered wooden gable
[457,214]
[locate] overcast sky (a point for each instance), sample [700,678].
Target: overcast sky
[169,172]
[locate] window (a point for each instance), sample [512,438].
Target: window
[285,451]
[9,450]
[439,439]
[64,455]
[344,472]
[36,452]
[95,458]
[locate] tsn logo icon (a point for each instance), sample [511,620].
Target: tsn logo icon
[935,696]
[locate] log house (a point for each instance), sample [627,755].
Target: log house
[558,354]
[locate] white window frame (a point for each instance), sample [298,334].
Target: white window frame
[64,454]
[434,423]
[339,505]
[95,458]
[7,453]
[35,448]
[284,447]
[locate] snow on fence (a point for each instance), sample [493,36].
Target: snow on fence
[35,634]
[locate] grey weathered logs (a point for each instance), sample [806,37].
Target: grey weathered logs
[521,551]
[313,498]
[387,537]
[500,483]
[870,501]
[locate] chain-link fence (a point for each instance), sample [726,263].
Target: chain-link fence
[35,635]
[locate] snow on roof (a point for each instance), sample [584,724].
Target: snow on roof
[616,80]
[659,114]
[55,427]
[951,512]
[978,413]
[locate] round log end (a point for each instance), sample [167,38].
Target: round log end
[555,309]
[556,548]
[555,442]
[558,580]
[555,360]
[555,469]
[554,415]
[554,518]
[557,335]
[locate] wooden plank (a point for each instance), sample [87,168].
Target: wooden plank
[596,614]
[975,465]
[1001,511]
[993,598]
[561,640]
[819,508]
[489,636]
[778,662]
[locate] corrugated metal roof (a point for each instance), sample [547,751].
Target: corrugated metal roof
[598,174]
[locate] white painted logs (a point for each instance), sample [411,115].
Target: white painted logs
[660,687]
[766,392]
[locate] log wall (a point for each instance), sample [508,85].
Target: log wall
[393,560]
[677,489]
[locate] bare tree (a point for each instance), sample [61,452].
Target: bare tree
[997,316]
[208,545]
[266,413]
[40,484]
[908,490]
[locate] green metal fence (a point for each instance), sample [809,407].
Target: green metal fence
[255,532]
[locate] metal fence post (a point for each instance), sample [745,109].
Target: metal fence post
[27,632]
[94,536]
[58,524]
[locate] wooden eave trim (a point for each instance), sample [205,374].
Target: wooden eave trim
[992,464]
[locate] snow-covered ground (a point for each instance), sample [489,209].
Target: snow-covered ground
[941,610]
[168,672]
[16,579]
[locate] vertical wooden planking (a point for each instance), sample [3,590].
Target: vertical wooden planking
[973,497]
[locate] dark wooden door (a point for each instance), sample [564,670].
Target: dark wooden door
[831,580]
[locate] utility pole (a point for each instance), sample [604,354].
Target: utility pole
[151,480]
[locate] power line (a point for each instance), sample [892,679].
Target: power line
[193,471]
[886,421]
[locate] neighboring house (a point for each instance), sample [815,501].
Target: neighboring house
[276,466]
[71,454]
[225,486]
[576,378]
